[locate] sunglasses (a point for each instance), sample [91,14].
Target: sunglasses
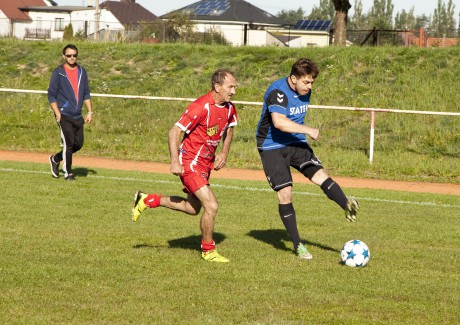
[70,55]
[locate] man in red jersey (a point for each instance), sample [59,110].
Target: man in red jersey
[205,122]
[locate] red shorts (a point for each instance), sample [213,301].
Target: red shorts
[194,179]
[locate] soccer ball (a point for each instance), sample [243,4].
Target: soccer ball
[355,253]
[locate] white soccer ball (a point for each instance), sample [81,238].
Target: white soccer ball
[355,253]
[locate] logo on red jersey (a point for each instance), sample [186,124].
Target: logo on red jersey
[212,130]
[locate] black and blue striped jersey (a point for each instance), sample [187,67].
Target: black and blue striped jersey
[280,98]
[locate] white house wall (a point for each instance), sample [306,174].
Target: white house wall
[262,38]
[19,28]
[106,21]
[43,20]
[4,25]
[315,40]
[296,42]
[234,34]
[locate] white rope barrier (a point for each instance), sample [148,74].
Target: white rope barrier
[364,109]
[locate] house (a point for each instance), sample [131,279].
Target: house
[242,23]
[128,12]
[13,12]
[42,19]
[311,33]
[238,21]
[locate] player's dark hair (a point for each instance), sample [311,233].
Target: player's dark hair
[304,67]
[69,46]
[219,76]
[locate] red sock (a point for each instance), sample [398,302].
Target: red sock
[206,247]
[152,200]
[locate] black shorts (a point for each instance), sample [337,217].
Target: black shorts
[277,164]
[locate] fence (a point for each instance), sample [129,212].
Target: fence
[231,33]
[402,37]
[372,111]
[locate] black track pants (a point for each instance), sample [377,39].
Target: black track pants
[72,141]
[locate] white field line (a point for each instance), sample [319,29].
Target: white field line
[233,187]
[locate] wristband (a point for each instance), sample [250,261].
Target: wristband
[90,113]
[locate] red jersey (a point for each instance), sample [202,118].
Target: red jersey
[204,124]
[72,75]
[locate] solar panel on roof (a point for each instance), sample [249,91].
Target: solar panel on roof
[200,12]
[316,25]
[209,7]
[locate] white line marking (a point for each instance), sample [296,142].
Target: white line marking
[233,187]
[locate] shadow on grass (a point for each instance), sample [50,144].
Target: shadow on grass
[278,238]
[83,172]
[274,237]
[190,242]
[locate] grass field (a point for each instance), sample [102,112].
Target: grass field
[70,254]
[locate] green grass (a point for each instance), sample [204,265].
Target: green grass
[70,254]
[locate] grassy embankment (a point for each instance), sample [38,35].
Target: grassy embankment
[408,147]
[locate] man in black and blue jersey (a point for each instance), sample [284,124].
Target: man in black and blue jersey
[282,143]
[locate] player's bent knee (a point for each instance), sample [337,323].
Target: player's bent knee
[320,177]
[314,172]
[193,208]
[194,211]
[285,195]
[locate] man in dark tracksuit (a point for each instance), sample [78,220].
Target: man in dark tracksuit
[67,92]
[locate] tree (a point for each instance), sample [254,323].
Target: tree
[151,30]
[405,20]
[358,20]
[325,11]
[177,27]
[443,21]
[68,32]
[291,17]
[422,21]
[451,23]
[341,19]
[381,14]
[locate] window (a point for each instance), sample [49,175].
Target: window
[59,24]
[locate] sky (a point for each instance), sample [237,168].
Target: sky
[161,7]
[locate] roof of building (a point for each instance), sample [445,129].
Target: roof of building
[59,8]
[228,10]
[12,8]
[128,12]
[285,39]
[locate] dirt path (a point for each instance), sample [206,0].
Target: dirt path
[243,174]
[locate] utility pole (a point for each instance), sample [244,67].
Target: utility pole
[96,21]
